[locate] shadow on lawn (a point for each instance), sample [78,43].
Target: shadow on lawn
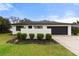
[34,41]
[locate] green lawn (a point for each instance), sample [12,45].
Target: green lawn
[8,49]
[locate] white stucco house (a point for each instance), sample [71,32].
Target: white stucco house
[51,27]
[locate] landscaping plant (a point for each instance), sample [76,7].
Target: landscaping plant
[18,35]
[40,36]
[31,35]
[48,36]
[23,36]
[75,31]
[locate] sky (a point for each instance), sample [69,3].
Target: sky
[61,12]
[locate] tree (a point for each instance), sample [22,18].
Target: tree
[14,19]
[2,20]
[25,20]
[77,21]
[4,24]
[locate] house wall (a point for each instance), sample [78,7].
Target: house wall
[35,31]
[44,30]
[69,30]
[13,29]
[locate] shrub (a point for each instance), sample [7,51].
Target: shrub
[31,35]
[75,31]
[48,36]
[40,36]
[23,36]
[18,35]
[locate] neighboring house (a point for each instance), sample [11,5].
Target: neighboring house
[51,27]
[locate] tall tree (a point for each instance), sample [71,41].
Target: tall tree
[24,20]
[14,19]
[4,24]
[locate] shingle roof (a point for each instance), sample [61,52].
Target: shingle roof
[42,23]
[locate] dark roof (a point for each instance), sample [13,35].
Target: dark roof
[75,25]
[41,23]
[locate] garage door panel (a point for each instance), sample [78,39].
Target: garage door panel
[59,30]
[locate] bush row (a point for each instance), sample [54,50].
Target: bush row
[23,36]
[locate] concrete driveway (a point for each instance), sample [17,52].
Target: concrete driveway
[69,42]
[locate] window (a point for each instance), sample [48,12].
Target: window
[18,28]
[38,27]
[30,27]
[49,27]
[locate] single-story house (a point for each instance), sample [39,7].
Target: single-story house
[51,27]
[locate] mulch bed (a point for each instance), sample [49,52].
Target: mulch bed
[31,41]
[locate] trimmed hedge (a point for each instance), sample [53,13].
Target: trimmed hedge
[48,36]
[40,36]
[18,36]
[31,35]
[21,36]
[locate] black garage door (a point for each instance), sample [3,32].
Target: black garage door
[59,30]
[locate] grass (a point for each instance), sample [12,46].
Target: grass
[31,49]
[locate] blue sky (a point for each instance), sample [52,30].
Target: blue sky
[62,12]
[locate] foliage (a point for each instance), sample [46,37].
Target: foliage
[23,36]
[4,25]
[19,35]
[25,20]
[77,21]
[40,36]
[14,19]
[75,31]
[31,35]
[48,36]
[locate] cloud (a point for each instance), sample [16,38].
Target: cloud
[5,6]
[49,17]
[68,20]
[13,11]
[68,17]
[69,13]
[76,4]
